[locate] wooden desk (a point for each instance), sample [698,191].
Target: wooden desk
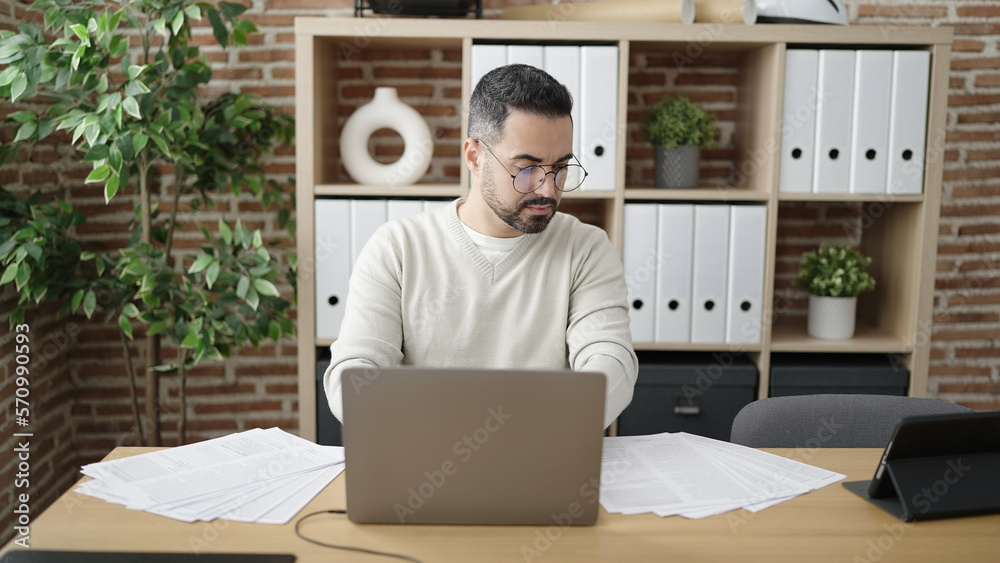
[831,524]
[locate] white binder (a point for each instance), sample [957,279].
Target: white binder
[367,215]
[639,258]
[708,281]
[831,171]
[333,264]
[525,54]
[484,59]
[908,121]
[745,293]
[673,272]
[399,208]
[563,63]
[798,126]
[870,123]
[599,115]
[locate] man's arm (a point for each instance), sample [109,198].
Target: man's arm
[372,331]
[597,335]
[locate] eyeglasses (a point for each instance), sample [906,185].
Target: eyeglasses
[568,177]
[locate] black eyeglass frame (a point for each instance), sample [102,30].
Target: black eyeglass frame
[559,168]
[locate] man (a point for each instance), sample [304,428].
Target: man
[499,280]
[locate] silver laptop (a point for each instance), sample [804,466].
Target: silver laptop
[472,446]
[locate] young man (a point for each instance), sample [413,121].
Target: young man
[498,280]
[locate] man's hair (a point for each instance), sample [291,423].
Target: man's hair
[515,87]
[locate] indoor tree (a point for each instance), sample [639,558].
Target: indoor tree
[120,81]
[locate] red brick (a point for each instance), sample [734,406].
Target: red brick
[958,370]
[981,405]
[237,407]
[978,11]
[982,299]
[967,45]
[967,282]
[984,387]
[982,229]
[969,210]
[907,10]
[985,28]
[973,99]
[977,352]
[978,317]
[267,55]
[984,154]
[964,335]
[978,266]
[975,191]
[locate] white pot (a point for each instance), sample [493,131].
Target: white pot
[832,318]
[386,111]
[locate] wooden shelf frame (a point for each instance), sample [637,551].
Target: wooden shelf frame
[903,240]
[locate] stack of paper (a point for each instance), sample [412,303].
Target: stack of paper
[263,476]
[695,477]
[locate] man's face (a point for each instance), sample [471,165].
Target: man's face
[528,140]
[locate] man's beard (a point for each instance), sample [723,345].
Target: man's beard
[513,216]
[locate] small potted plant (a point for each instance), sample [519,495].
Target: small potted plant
[679,128]
[834,277]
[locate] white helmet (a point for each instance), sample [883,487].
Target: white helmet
[795,11]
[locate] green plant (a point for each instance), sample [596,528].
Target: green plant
[128,112]
[678,122]
[833,271]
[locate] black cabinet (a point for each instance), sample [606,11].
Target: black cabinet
[809,374]
[697,393]
[328,429]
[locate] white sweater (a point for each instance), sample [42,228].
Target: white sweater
[422,294]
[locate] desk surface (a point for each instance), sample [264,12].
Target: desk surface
[831,524]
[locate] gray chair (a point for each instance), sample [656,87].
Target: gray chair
[829,421]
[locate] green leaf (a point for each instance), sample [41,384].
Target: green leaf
[131,310]
[89,303]
[18,87]
[212,273]
[252,299]
[23,274]
[178,22]
[242,286]
[9,274]
[8,75]
[34,251]
[193,12]
[225,232]
[160,25]
[96,153]
[218,28]
[111,187]
[265,287]
[125,325]
[200,264]
[80,31]
[99,174]
[156,328]
[274,330]
[139,141]
[131,107]
[25,131]
[134,71]
[21,116]
[191,340]
[257,241]
[75,300]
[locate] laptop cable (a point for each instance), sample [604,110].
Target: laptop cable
[346,547]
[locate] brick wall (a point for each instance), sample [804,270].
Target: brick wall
[80,399]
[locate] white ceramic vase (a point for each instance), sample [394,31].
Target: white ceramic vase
[832,318]
[386,111]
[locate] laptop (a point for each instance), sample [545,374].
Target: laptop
[473,446]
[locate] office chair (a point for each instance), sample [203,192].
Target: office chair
[829,421]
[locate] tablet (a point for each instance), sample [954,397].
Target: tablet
[934,436]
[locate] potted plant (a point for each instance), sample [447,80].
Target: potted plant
[834,277]
[679,128]
[122,81]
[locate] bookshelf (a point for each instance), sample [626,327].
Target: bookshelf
[902,237]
